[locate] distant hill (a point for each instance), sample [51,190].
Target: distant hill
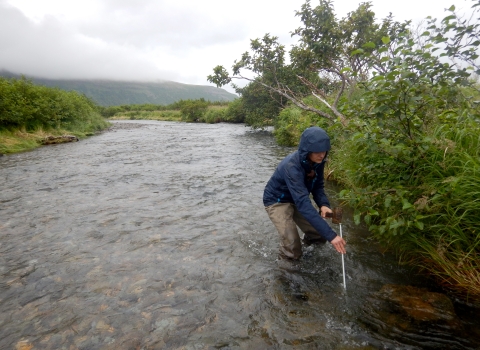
[115,93]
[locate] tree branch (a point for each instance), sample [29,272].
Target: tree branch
[295,100]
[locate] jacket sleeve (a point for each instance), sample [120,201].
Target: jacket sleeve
[294,178]
[318,191]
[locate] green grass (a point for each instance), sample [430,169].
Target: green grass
[451,250]
[20,140]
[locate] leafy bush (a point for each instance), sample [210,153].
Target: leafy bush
[290,124]
[259,106]
[193,110]
[24,105]
[214,114]
[235,112]
[109,112]
[292,121]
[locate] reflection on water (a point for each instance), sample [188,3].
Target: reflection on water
[153,235]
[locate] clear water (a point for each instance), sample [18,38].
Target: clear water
[153,236]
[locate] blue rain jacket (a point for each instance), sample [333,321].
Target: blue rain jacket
[290,184]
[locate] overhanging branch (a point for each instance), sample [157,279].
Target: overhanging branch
[295,100]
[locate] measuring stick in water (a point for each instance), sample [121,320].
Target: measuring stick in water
[336,216]
[343,260]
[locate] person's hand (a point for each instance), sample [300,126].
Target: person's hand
[324,210]
[339,244]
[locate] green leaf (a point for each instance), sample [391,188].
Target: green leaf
[356,52]
[378,77]
[367,219]
[419,225]
[406,204]
[394,224]
[369,45]
[356,218]
[448,18]
[386,40]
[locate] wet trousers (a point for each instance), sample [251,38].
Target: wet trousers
[286,218]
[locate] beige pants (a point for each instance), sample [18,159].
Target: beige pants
[286,217]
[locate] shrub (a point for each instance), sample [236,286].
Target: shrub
[235,112]
[24,105]
[193,110]
[214,114]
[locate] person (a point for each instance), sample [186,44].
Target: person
[287,196]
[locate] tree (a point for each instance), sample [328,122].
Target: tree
[460,37]
[261,106]
[321,63]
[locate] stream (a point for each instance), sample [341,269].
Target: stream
[153,235]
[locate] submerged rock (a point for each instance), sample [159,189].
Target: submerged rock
[24,345]
[51,140]
[415,316]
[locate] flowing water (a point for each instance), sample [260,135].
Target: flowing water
[153,235]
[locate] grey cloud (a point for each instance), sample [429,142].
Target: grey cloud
[153,23]
[130,39]
[50,49]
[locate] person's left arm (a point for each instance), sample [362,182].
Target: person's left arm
[318,192]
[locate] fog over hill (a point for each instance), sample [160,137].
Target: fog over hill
[114,93]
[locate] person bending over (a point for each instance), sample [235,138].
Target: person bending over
[287,196]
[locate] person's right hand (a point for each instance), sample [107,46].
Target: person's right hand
[339,244]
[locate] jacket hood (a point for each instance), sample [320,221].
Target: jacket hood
[313,139]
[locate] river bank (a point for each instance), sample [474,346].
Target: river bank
[18,140]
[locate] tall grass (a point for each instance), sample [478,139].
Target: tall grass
[424,201]
[451,249]
[13,141]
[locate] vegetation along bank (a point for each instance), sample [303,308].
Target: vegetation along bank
[29,114]
[401,102]
[199,110]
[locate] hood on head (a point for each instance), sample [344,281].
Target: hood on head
[313,139]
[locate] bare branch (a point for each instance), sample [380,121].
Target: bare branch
[295,100]
[320,95]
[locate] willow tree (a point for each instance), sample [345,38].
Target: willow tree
[323,63]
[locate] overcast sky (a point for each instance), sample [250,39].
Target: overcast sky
[148,40]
